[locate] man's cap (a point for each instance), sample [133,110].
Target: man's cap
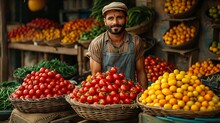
[114,6]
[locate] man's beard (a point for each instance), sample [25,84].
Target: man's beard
[116,31]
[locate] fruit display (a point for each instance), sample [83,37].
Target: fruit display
[214,12]
[38,35]
[21,34]
[52,33]
[44,83]
[91,34]
[74,28]
[105,88]
[180,91]
[42,23]
[204,68]
[179,34]
[155,67]
[215,47]
[174,7]
[60,66]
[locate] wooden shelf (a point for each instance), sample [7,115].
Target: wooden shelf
[46,49]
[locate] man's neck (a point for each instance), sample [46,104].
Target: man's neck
[116,38]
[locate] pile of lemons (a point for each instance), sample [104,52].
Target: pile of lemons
[179,90]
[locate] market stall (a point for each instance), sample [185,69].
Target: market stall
[183,84]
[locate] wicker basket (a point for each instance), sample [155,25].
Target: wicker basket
[214,21]
[189,44]
[141,28]
[159,111]
[69,45]
[42,105]
[97,112]
[186,14]
[54,42]
[39,42]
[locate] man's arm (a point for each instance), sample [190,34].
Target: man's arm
[141,74]
[95,66]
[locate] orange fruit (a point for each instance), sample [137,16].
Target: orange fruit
[181,103]
[178,95]
[173,88]
[195,108]
[185,98]
[175,107]
[160,96]
[207,97]
[205,104]
[168,97]
[166,91]
[203,108]
[167,106]
[173,101]
[164,85]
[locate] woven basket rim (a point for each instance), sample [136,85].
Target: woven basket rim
[173,111]
[99,106]
[35,100]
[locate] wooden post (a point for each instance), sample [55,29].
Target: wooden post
[3,41]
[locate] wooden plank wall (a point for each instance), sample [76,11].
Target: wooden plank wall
[4,51]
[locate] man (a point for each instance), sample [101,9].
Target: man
[118,48]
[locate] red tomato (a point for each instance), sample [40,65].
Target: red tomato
[115,100]
[116,76]
[92,91]
[109,99]
[124,87]
[88,84]
[42,70]
[133,95]
[101,95]
[95,98]
[109,78]
[118,82]
[122,95]
[58,76]
[102,101]
[121,75]
[38,93]
[113,70]
[113,93]
[46,91]
[94,82]
[104,89]
[110,88]
[102,82]
[89,99]
[127,101]
[51,74]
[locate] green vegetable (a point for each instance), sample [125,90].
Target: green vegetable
[60,66]
[138,15]
[6,89]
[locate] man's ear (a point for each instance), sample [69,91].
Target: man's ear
[127,19]
[105,21]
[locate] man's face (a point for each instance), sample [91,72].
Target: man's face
[115,21]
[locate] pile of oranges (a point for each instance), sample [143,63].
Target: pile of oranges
[178,6]
[179,34]
[179,90]
[205,68]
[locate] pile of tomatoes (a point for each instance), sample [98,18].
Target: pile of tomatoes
[44,83]
[155,67]
[109,87]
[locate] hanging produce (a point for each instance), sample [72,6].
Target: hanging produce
[36,5]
